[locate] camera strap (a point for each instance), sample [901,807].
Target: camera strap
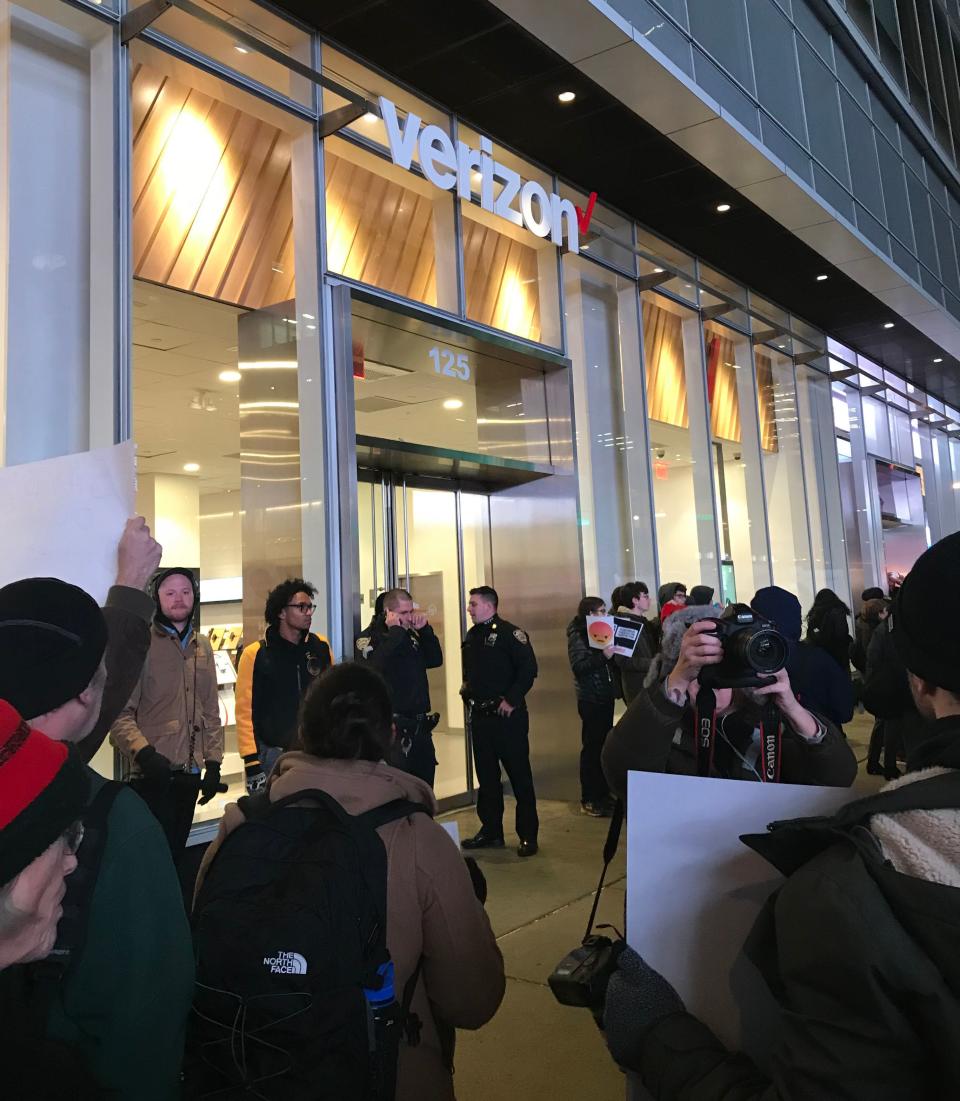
[705,736]
[771,742]
[771,737]
[609,852]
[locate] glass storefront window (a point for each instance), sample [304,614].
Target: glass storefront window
[510,274]
[783,475]
[604,347]
[824,506]
[358,78]
[679,443]
[224,46]
[738,486]
[875,427]
[610,237]
[389,227]
[58,312]
[226,352]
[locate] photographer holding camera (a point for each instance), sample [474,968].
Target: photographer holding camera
[859,943]
[741,657]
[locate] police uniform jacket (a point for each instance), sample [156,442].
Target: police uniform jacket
[498,662]
[402,656]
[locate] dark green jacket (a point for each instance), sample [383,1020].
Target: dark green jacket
[865,962]
[124,1005]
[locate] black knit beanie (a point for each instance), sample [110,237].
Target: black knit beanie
[52,639]
[925,614]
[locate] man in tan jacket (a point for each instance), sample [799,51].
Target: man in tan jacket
[170,728]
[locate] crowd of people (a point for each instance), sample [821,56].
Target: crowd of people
[337,938]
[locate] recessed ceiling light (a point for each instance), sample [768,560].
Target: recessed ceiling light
[453,403]
[722,208]
[229,376]
[939,359]
[241,49]
[888,324]
[369,117]
[658,271]
[191,468]
[822,278]
[567,97]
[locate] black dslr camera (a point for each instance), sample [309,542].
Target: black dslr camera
[753,650]
[581,977]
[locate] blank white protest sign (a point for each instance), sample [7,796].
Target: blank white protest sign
[63,517]
[694,890]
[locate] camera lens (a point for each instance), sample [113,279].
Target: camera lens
[766,651]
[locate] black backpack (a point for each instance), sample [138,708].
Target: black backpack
[289,931]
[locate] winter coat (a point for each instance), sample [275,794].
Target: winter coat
[273,676]
[432,911]
[128,613]
[123,1005]
[594,676]
[175,702]
[830,629]
[863,632]
[860,948]
[655,735]
[633,669]
[402,657]
[886,691]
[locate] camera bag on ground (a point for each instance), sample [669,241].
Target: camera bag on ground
[290,943]
[35,1064]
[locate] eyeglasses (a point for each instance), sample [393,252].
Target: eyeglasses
[305,608]
[73,837]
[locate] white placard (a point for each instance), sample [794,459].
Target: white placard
[63,517]
[694,890]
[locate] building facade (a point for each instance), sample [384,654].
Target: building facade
[358,339]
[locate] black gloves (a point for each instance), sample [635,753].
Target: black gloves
[152,764]
[478,879]
[637,999]
[210,784]
[255,775]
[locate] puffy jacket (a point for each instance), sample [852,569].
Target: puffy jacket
[594,676]
[860,948]
[272,679]
[886,691]
[175,702]
[432,911]
[655,735]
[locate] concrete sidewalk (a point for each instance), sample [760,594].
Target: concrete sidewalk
[535,1047]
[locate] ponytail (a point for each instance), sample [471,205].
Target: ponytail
[347,714]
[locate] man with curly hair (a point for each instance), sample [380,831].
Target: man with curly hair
[274,676]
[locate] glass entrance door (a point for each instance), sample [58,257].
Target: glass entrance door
[433,539]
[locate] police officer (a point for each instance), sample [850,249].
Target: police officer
[499,669]
[401,645]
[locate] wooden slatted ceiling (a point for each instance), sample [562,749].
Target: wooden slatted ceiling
[379,232]
[666,379]
[212,196]
[501,280]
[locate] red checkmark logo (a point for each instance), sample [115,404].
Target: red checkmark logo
[584,216]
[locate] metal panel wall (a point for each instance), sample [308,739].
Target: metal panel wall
[537,573]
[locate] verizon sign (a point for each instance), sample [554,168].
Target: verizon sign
[447,166]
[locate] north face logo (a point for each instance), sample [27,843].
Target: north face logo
[286,963]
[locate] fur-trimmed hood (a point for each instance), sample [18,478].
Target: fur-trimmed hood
[674,628]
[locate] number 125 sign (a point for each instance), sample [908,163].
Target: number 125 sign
[446,362]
